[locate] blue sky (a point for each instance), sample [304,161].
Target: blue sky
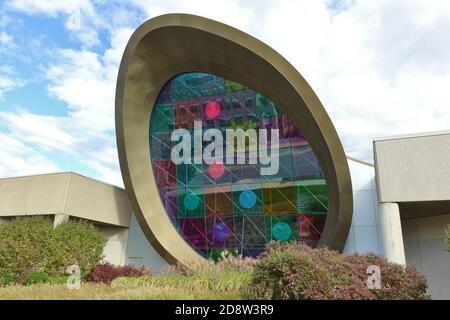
[380,67]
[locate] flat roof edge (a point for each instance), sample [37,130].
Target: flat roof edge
[360,161]
[61,173]
[412,135]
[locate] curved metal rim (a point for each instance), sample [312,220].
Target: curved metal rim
[171,44]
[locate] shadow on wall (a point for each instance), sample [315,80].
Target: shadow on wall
[364,234]
[139,251]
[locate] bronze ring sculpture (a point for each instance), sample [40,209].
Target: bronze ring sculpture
[168,45]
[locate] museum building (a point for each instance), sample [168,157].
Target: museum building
[223,146]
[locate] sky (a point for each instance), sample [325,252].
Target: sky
[380,68]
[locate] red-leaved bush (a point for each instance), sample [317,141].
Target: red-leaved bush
[295,271]
[106,272]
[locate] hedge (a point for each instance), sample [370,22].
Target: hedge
[295,271]
[32,244]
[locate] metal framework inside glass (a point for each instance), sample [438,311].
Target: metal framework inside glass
[234,207]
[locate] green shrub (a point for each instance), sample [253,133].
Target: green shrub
[23,244]
[42,277]
[226,282]
[230,272]
[35,277]
[226,261]
[77,242]
[294,271]
[31,244]
[230,275]
[57,280]
[7,278]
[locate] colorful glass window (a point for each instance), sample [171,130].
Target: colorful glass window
[232,206]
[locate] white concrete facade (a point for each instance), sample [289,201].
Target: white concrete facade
[364,234]
[139,251]
[391,232]
[413,184]
[425,248]
[413,168]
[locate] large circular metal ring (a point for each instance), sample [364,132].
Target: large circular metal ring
[171,44]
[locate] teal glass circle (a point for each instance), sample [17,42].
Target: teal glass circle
[281,231]
[191,201]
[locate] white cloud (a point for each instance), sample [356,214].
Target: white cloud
[383,70]
[4,20]
[51,7]
[8,80]
[235,13]
[5,39]
[46,132]
[81,16]
[17,158]
[6,84]
[85,81]
[86,84]
[47,137]
[379,67]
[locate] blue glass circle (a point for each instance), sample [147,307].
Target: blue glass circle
[247,199]
[281,231]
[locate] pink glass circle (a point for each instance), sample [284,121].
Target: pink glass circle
[216,170]
[212,109]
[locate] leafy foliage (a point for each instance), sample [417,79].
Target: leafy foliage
[295,271]
[80,243]
[229,276]
[7,279]
[33,252]
[101,291]
[228,261]
[106,272]
[35,277]
[32,244]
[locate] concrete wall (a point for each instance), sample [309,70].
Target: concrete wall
[33,195]
[413,168]
[413,171]
[115,249]
[64,193]
[425,248]
[139,251]
[364,235]
[97,201]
